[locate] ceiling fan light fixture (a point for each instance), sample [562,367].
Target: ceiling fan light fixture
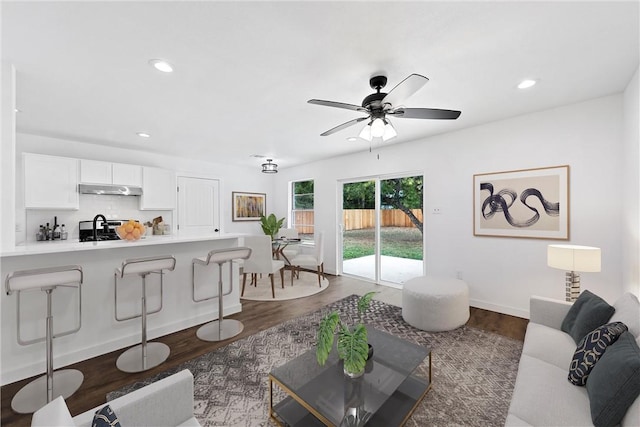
[389,132]
[269,167]
[377,128]
[365,133]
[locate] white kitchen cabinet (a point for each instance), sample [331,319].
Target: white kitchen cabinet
[158,189]
[50,182]
[95,172]
[124,174]
[99,172]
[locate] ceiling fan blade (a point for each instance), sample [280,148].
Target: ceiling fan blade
[336,104]
[405,89]
[425,113]
[343,126]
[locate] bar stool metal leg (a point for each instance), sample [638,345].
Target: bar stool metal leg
[221,329]
[44,389]
[145,355]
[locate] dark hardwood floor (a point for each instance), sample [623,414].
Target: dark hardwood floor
[101,375]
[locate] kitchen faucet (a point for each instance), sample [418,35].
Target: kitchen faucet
[105,226]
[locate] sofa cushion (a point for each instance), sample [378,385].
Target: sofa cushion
[590,349]
[53,414]
[543,397]
[614,382]
[549,345]
[105,417]
[587,313]
[628,312]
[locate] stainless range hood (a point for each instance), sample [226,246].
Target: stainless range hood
[111,190]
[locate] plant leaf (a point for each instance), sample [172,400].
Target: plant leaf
[353,348]
[326,333]
[364,302]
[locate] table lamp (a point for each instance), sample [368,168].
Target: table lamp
[573,259]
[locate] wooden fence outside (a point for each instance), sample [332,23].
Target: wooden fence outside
[356,219]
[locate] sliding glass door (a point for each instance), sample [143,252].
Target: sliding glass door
[359,229]
[382,226]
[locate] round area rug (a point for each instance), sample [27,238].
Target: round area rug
[304,286]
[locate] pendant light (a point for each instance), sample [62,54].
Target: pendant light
[269,167]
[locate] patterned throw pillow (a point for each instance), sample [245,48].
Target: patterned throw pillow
[105,417]
[591,348]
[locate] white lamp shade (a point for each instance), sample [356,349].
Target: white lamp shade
[389,132]
[377,128]
[366,133]
[574,258]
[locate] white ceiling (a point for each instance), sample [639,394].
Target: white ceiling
[244,70]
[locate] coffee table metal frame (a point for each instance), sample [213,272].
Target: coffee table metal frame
[332,363]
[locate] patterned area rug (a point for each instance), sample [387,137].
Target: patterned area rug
[473,371]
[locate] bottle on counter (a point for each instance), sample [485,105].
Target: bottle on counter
[40,235]
[47,232]
[56,233]
[63,233]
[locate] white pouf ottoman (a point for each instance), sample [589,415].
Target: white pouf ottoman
[435,303]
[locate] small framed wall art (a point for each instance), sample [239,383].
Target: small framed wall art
[248,206]
[529,203]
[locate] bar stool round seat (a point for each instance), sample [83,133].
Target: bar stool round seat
[221,329]
[145,355]
[64,382]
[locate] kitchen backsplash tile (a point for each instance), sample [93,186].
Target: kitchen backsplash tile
[112,207]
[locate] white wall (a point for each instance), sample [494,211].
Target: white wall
[7,152]
[232,178]
[631,182]
[501,272]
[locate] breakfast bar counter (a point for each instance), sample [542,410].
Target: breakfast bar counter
[57,246]
[100,333]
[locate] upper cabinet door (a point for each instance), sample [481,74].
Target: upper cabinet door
[95,172]
[50,182]
[158,189]
[124,174]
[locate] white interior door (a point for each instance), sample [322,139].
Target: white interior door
[198,205]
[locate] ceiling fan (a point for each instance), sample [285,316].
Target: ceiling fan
[379,105]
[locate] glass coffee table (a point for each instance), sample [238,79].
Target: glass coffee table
[386,395]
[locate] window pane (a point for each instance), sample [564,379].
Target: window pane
[302,208]
[303,201]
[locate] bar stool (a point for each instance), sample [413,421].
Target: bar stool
[65,382]
[221,329]
[145,355]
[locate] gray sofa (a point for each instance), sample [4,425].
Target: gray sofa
[542,395]
[167,402]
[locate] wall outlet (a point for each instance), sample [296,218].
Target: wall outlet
[459,275]
[436,211]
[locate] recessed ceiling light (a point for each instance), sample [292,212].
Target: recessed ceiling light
[352,139]
[161,65]
[17,110]
[526,84]
[143,135]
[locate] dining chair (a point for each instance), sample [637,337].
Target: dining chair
[312,261]
[261,261]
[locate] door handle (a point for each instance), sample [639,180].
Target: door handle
[216,230]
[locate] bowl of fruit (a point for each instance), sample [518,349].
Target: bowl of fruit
[130,231]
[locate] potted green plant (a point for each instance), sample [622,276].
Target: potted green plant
[271,225]
[352,346]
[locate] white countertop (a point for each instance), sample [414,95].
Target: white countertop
[58,246]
